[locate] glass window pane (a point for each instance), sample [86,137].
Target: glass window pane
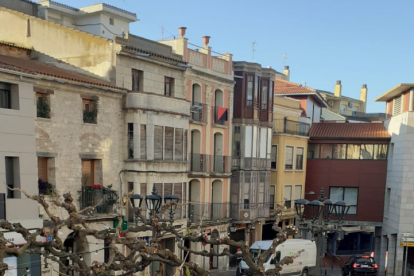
[339,151]
[352,210]
[351,196]
[326,151]
[380,152]
[336,194]
[289,158]
[313,151]
[367,151]
[298,191]
[353,151]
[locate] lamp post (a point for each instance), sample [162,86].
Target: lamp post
[319,224]
[153,203]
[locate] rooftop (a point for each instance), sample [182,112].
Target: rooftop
[348,131]
[331,94]
[35,68]
[288,88]
[394,92]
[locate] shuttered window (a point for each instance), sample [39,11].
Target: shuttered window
[289,158]
[168,189]
[143,192]
[169,140]
[158,142]
[143,142]
[158,188]
[185,144]
[42,171]
[178,144]
[397,105]
[88,172]
[178,191]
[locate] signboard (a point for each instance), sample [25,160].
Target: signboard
[407,239]
[408,244]
[18,239]
[12,266]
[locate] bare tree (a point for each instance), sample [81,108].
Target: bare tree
[141,255]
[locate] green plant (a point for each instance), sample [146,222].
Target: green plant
[91,116]
[43,107]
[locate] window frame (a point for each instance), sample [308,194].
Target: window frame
[297,155]
[92,106]
[249,79]
[343,197]
[5,98]
[388,151]
[168,86]
[264,94]
[271,157]
[293,154]
[138,76]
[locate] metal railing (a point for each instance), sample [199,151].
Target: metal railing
[220,120]
[104,198]
[208,211]
[257,210]
[291,127]
[221,164]
[198,112]
[198,162]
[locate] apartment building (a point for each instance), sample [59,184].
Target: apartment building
[398,204]
[288,161]
[18,154]
[349,161]
[208,83]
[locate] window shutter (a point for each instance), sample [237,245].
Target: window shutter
[168,189]
[143,142]
[42,168]
[88,172]
[169,146]
[158,188]
[185,144]
[397,105]
[178,144]
[143,193]
[158,142]
[178,191]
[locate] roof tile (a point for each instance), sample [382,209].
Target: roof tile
[287,87]
[348,131]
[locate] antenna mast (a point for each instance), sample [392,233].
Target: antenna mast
[284,57]
[162,31]
[253,50]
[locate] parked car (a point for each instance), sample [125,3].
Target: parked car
[360,265]
[303,265]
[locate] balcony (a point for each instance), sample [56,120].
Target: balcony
[220,164]
[103,198]
[291,127]
[198,112]
[250,211]
[220,115]
[199,162]
[208,212]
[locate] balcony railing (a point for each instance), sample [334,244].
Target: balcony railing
[198,162]
[221,116]
[291,127]
[249,211]
[221,164]
[208,211]
[101,197]
[198,112]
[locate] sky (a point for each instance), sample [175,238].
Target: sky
[355,41]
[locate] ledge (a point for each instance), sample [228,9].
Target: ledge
[220,126]
[156,161]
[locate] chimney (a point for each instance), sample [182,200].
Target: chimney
[181,31]
[363,96]
[286,72]
[338,89]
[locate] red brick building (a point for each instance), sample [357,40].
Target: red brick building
[350,162]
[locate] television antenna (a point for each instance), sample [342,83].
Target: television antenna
[284,57]
[253,50]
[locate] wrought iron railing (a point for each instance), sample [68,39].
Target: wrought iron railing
[256,210]
[221,164]
[198,162]
[291,127]
[198,112]
[208,211]
[103,198]
[221,116]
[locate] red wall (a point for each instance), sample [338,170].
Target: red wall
[368,175]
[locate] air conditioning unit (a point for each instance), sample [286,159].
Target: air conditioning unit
[330,103]
[351,104]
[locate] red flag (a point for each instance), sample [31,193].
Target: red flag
[221,113]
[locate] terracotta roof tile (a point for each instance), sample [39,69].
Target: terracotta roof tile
[287,87]
[36,68]
[348,131]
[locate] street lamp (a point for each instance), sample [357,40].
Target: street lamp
[320,211]
[173,201]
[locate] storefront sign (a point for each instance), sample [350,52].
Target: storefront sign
[18,239]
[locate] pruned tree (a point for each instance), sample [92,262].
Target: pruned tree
[141,255]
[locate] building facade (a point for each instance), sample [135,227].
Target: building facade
[349,161]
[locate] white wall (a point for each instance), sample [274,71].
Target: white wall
[313,111]
[263,142]
[248,142]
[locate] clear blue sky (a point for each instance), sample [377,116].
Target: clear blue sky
[356,41]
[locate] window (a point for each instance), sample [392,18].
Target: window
[313,151]
[299,158]
[111,21]
[339,151]
[272,191]
[298,192]
[380,151]
[236,149]
[263,96]
[287,196]
[289,158]
[367,151]
[5,95]
[273,157]
[91,172]
[45,175]
[178,144]
[169,143]
[90,111]
[137,80]
[130,141]
[237,129]
[326,151]
[143,142]
[42,105]
[12,176]
[270,100]
[249,99]
[246,191]
[256,89]
[353,151]
[349,195]
[158,142]
[168,86]
[397,106]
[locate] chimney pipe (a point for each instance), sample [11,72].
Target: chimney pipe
[286,72]
[206,40]
[338,89]
[363,96]
[181,31]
